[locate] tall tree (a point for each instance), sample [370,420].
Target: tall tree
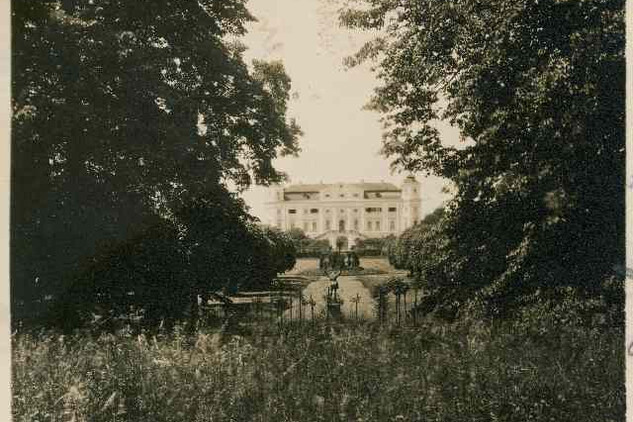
[125,112]
[536,89]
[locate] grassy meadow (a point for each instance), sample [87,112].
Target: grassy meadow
[324,371]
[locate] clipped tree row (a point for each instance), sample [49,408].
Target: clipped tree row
[373,245]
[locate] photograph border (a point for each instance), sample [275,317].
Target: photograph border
[5,157]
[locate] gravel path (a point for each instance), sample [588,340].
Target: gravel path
[349,288]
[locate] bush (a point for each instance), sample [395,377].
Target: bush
[373,246]
[160,274]
[369,252]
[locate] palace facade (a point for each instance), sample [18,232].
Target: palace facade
[352,210]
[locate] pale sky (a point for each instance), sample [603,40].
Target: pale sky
[341,141]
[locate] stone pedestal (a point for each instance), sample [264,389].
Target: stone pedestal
[334,310]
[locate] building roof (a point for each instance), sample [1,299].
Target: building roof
[305,188]
[364,186]
[377,187]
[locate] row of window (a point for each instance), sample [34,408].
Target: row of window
[342,195]
[368,210]
[369,225]
[356,195]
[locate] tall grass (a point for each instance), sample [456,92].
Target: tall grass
[324,371]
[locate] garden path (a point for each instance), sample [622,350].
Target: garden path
[349,288]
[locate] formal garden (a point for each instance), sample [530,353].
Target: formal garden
[143,288]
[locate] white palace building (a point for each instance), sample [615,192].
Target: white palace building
[353,210]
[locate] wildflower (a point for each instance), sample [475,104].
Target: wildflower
[318,401]
[74,393]
[108,404]
[162,362]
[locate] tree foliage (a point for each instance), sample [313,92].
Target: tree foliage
[373,245]
[132,124]
[307,246]
[298,236]
[536,89]
[405,251]
[278,255]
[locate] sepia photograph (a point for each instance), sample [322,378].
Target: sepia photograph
[317,210]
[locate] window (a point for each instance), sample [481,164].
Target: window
[392,226]
[292,225]
[305,227]
[369,225]
[305,211]
[355,210]
[355,195]
[328,224]
[327,195]
[377,225]
[392,209]
[341,211]
[373,209]
[314,211]
[278,212]
[355,224]
[327,211]
[314,226]
[342,195]
[378,195]
[291,211]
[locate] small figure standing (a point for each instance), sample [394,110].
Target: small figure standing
[334,289]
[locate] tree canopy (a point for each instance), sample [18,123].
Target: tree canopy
[536,89]
[128,116]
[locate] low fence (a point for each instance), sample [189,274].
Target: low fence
[274,306]
[396,304]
